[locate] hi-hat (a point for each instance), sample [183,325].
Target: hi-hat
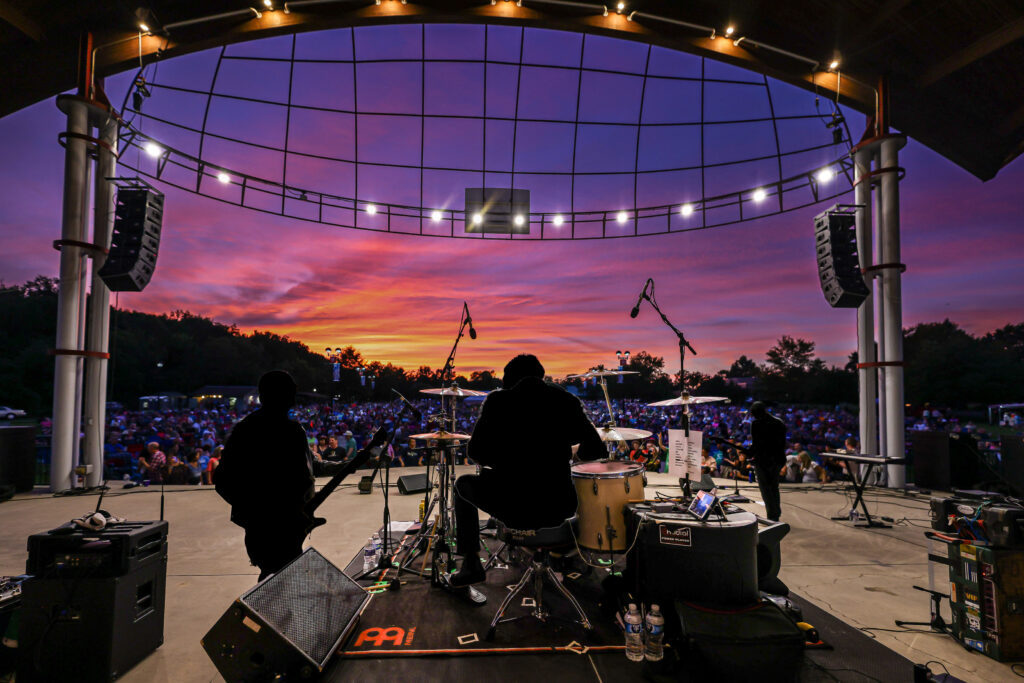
[441,436]
[603,373]
[622,434]
[453,391]
[687,401]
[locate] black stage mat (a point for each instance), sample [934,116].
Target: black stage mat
[413,634]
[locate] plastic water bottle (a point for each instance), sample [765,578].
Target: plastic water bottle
[634,634]
[654,649]
[369,562]
[378,548]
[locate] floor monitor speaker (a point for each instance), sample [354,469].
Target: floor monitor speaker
[412,483]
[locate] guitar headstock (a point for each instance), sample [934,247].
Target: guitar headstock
[380,437]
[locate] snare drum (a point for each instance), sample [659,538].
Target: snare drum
[603,488]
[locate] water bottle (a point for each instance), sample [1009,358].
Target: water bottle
[634,634]
[369,562]
[378,548]
[654,650]
[750,475]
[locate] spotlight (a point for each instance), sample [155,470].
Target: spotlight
[621,217]
[269,4]
[224,177]
[143,28]
[558,220]
[759,195]
[478,218]
[833,65]
[729,31]
[825,175]
[686,210]
[519,219]
[621,6]
[152,149]
[435,215]
[371,209]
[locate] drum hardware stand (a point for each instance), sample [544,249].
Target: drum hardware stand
[936,623]
[384,562]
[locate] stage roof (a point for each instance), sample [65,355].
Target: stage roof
[955,68]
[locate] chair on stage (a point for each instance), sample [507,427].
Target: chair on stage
[539,542]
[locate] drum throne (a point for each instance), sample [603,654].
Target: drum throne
[539,542]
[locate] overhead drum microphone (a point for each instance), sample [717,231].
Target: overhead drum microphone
[469,321]
[643,295]
[413,409]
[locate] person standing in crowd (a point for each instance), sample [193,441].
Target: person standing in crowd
[266,476]
[152,464]
[768,449]
[350,445]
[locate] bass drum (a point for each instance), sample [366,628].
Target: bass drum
[603,488]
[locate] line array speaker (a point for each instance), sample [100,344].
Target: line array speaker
[835,240]
[138,220]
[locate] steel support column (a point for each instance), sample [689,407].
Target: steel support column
[69,293]
[892,304]
[99,306]
[867,384]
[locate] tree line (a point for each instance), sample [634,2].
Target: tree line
[181,351]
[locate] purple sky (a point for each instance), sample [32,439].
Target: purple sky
[733,290]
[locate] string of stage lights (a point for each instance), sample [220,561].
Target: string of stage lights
[548,225]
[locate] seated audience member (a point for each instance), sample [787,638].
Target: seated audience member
[743,466]
[730,464]
[792,471]
[810,471]
[195,471]
[708,463]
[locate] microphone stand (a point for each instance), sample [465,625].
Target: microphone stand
[449,365]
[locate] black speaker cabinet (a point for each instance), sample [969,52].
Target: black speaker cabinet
[835,241]
[138,221]
[412,483]
[1011,453]
[289,626]
[18,457]
[81,629]
[943,461]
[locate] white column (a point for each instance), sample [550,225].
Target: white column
[892,306]
[866,377]
[68,296]
[883,446]
[99,308]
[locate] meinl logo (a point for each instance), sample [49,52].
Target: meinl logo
[679,535]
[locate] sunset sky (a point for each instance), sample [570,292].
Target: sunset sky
[732,290]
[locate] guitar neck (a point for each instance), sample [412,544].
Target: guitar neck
[351,466]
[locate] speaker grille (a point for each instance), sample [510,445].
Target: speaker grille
[310,602]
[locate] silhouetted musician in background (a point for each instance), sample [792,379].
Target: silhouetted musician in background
[266,476]
[523,439]
[768,448]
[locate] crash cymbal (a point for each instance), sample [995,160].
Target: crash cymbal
[453,391]
[688,400]
[622,434]
[441,436]
[603,373]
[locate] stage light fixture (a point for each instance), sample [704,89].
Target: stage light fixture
[143,28]
[371,209]
[478,218]
[729,31]
[519,219]
[825,175]
[269,4]
[621,6]
[759,195]
[621,217]
[686,210]
[558,220]
[224,177]
[152,149]
[435,215]
[833,65]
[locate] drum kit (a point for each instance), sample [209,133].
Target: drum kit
[603,487]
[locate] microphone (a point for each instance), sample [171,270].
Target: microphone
[643,295]
[415,411]
[469,321]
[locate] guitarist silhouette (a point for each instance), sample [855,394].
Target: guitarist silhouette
[266,476]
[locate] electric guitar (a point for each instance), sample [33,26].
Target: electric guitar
[380,437]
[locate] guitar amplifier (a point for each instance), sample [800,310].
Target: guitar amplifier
[119,549]
[677,557]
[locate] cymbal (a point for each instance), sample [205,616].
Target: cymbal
[441,436]
[622,434]
[689,401]
[603,373]
[453,391]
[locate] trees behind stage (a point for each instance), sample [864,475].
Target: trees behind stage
[181,352]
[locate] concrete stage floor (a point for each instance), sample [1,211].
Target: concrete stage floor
[862,576]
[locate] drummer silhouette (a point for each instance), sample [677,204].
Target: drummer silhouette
[523,440]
